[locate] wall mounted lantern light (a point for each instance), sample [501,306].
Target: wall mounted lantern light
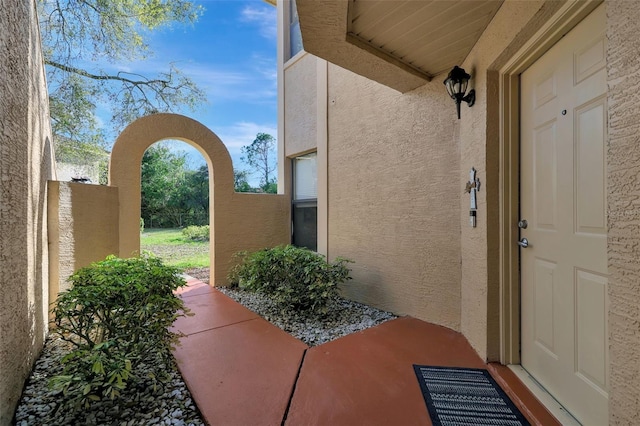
[456,84]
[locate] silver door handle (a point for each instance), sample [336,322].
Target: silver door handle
[524,243]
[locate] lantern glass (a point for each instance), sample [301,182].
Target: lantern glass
[457,82]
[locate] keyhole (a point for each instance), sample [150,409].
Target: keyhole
[564,112]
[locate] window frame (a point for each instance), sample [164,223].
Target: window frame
[302,202]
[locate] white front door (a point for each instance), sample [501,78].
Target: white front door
[563,199]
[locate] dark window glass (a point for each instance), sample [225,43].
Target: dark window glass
[305,202]
[305,225]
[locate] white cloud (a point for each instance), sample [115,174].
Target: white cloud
[265,16]
[243,133]
[266,67]
[206,74]
[257,84]
[234,138]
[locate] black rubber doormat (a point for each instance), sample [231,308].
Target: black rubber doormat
[466,396]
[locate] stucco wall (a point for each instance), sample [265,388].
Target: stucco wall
[300,107]
[371,176]
[515,22]
[394,195]
[83,228]
[623,158]
[26,163]
[397,166]
[238,221]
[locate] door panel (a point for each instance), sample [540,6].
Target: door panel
[590,159]
[563,197]
[544,281]
[544,175]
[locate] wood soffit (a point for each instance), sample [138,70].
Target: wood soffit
[400,43]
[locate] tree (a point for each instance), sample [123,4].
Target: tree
[240,181]
[196,193]
[82,42]
[171,194]
[87,157]
[261,156]
[162,176]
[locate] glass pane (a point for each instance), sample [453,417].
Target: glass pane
[305,177]
[295,37]
[305,228]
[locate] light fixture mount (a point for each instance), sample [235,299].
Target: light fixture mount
[457,83]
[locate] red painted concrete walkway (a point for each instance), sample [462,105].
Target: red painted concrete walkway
[244,371]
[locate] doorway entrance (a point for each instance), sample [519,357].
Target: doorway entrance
[563,229]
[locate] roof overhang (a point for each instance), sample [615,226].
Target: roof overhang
[399,43]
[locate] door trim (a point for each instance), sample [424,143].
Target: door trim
[569,15]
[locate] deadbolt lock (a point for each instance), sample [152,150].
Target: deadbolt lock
[523,224]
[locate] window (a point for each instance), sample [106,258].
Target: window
[295,37]
[305,201]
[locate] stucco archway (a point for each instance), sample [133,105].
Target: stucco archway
[238,221]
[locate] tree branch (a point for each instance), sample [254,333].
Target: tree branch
[117,77]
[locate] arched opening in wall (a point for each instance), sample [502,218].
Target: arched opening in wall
[237,221]
[174,206]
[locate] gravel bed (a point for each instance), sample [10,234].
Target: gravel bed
[343,317]
[169,405]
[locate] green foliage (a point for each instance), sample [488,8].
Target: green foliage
[241,184]
[271,188]
[141,225]
[115,315]
[196,233]
[171,194]
[195,193]
[296,278]
[240,181]
[86,154]
[83,41]
[261,156]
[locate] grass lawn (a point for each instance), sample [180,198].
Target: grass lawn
[175,249]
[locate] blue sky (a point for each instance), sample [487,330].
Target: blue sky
[231,54]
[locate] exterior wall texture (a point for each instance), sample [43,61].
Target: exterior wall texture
[83,228]
[397,165]
[26,163]
[623,158]
[300,109]
[479,137]
[238,221]
[394,197]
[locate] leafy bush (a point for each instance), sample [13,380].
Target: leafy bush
[296,278]
[196,233]
[115,315]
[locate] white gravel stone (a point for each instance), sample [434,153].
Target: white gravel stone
[41,406]
[172,404]
[343,317]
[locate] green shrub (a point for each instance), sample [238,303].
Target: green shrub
[115,315]
[196,233]
[296,278]
[141,225]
